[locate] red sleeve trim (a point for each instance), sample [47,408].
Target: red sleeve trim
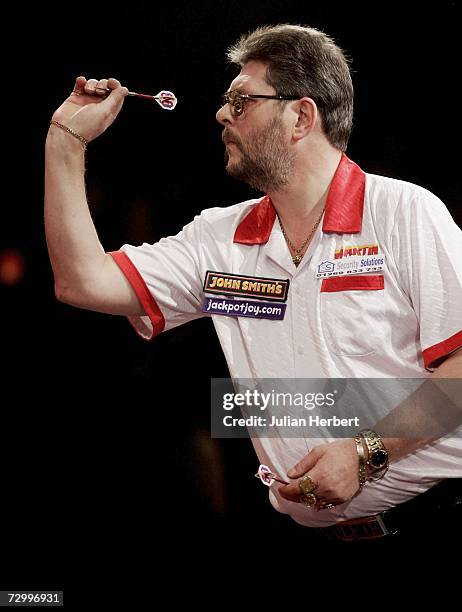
[435,354]
[135,279]
[353,283]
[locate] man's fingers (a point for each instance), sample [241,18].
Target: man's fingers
[101,88]
[117,96]
[113,83]
[90,86]
[307,463]
[79,85]
[115,87]
[291,492]
[323,504]
[95,87]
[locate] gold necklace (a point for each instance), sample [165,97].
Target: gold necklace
[297,258]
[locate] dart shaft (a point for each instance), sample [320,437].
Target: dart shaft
[280,480]
[139,95]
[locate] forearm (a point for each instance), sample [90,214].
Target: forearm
[73,245]
[432,412]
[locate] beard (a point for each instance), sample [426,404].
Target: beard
[265,162]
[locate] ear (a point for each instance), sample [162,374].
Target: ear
[307,116]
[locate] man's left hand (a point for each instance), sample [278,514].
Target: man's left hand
[334,469]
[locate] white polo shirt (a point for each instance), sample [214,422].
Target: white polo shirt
[397,321]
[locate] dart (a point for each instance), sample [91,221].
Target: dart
[165,99]
[267,477]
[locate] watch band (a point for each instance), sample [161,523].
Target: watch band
[361,460]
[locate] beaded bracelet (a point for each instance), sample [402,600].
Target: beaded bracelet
[83,140]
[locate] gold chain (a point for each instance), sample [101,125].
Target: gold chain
[297,258]
[69,130]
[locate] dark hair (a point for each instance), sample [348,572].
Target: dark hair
[303,61]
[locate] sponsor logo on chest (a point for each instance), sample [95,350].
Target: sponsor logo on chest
[350,251]
[271,294]
[352,259]
[259,288]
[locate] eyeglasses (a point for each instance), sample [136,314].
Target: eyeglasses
[237,101]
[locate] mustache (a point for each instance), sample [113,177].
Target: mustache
[227,136]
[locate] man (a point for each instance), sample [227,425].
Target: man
[286,121]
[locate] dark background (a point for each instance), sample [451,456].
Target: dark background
[105,452]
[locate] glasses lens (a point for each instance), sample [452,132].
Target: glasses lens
[237,104]
[235,101]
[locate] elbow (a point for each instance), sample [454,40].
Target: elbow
[67,294]
[60,294]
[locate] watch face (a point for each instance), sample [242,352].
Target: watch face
[378,459]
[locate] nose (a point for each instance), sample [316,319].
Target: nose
[224,115]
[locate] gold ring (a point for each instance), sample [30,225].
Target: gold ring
[308,499]
[306,484]
[326,505]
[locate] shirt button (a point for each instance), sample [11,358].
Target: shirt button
[300,350]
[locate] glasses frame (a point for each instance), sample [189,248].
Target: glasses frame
[237,100]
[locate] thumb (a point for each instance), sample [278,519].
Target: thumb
[117,96]
[306,464]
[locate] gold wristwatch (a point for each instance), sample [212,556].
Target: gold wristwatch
[377,453]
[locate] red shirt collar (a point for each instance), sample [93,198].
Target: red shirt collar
[344,208]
